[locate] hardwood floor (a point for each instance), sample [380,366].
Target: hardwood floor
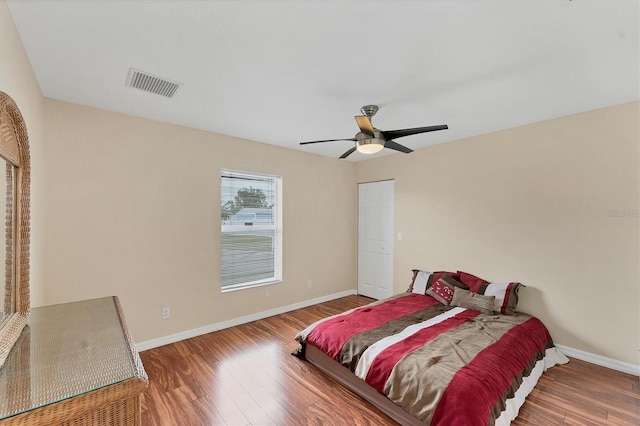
[245,375]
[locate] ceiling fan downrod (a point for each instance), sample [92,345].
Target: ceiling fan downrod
[369,110]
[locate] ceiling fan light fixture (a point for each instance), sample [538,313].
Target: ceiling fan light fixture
[369,145]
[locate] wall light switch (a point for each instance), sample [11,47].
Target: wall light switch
[399,236]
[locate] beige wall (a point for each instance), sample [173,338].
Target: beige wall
[133,209]
[19,82]
[533,204]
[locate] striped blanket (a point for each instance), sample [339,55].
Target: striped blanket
[444,365]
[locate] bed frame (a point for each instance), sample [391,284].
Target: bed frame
[358,386]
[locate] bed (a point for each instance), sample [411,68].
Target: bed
[433,355]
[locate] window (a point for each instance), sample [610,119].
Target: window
[251,229]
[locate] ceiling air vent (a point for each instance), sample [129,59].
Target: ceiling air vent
[151,83]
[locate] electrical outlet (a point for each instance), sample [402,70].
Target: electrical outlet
[309,284]
[166,313]
[266,292]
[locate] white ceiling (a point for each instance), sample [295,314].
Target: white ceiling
[282,72]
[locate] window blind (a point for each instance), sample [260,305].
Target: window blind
[250,231]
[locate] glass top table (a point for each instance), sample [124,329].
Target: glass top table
[67,350]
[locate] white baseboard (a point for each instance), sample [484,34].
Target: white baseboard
[161,341]
[602,361]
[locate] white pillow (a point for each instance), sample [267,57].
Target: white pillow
[420,283]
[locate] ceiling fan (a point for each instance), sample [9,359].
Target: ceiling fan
[370,140]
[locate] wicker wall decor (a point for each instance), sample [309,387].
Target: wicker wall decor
[14,148]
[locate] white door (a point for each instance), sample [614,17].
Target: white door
[375,239]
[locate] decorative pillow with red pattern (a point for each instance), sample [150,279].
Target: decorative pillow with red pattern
[442,290]
[439,274]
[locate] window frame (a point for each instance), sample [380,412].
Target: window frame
[276,228]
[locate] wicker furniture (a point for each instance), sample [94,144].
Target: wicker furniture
[74,364]
[14,149]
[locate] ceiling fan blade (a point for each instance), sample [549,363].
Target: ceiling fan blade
[394,134]
[348,153]
[365,124]
[397,147]
[328,140]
